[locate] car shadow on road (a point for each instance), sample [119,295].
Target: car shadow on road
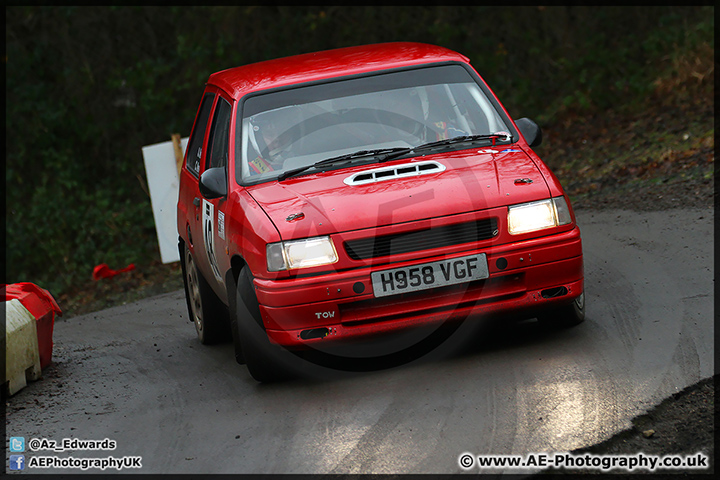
[448,341]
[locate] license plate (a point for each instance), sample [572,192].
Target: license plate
[429,275]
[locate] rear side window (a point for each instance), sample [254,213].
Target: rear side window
[194,152]
[219,136]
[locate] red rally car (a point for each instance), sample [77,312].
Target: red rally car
[360,191]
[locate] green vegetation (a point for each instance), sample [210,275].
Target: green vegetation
[87,87]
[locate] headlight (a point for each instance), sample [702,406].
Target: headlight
[309,252]
[528,217]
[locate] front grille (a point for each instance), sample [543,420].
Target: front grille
[425,239]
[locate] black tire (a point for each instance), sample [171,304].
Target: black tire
[265,361]
[566,316]
[207,312]
[231,285]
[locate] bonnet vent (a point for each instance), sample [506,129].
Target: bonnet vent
[397,171]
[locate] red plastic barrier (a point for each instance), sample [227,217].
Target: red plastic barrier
[43,307]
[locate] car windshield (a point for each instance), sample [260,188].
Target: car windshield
[291,128]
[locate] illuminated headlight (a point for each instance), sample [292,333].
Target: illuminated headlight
[529,217]
[309,252]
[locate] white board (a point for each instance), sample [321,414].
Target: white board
[164,184]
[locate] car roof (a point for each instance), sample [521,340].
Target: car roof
[339,62]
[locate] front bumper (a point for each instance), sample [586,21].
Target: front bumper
[341,305]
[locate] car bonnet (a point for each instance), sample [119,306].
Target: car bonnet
[322,203]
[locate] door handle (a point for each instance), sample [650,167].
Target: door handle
[196,201]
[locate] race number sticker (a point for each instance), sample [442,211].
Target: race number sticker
[208,233]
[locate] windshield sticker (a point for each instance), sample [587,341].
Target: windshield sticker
[259,165]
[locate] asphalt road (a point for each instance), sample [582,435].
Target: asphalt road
[137,375]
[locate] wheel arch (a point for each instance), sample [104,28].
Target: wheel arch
[231,277]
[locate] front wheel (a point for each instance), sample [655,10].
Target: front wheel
[265,361]
[566,316]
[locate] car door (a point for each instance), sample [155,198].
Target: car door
[212,251]
[190,200]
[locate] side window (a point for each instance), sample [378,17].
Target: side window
[219,136]
[194,152]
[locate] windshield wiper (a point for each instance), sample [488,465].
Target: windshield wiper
[385,154]
[463,139]
[381,154]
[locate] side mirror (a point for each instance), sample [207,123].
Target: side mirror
[213,183]
[530,130]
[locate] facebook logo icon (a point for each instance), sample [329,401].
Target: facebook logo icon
[17,462]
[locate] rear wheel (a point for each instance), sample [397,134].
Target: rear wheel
[206,310]
[265,361]
[567,315]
